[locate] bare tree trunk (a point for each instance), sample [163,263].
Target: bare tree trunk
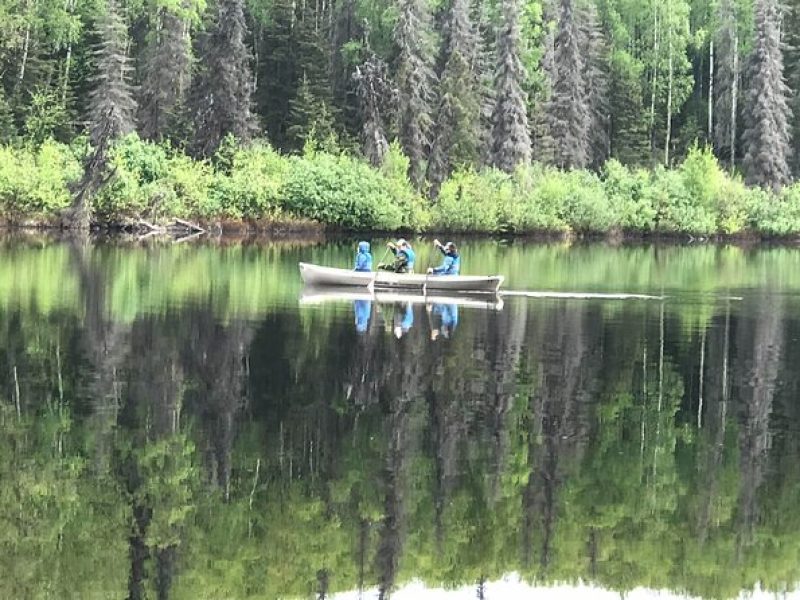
[655,79]
[734,93]
[711,92]
[668,135]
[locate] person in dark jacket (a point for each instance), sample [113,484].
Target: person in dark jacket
[404,257]
[451,265]
[363,257]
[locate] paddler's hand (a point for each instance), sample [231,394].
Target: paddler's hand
[430,271]
[390,244]
[437,244]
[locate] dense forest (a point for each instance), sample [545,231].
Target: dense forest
[461,87]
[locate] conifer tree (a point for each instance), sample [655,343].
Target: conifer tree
[312,106]
[767,138]
[375,98]
[727,77]
[112,106]
[543,148]
[457,132]
[568,109]
[221,93]
[166,69]
[414,77]
[310,115]
[595,77]
[511,142]
[792,55]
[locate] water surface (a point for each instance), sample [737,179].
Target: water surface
[176,423]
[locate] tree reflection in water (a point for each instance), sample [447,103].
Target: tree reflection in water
[192,449]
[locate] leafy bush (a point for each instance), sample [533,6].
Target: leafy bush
[256,182]
[627,197]
[777,216]
[341,191]
[33,183]
[252,190]
[468,201]
[676,210]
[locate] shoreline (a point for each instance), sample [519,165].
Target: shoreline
[296,229]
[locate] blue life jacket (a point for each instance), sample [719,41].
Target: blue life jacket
[412,257]
[451,265]
[363,257]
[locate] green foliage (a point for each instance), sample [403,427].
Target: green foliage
[45,116]
[33,182]
[343,191]
[159,182]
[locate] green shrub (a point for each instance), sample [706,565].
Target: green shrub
[537,197]
[468,201]
[252,189]
[676,211]
[627,197]
[340,190]
[33,183]
[779,216]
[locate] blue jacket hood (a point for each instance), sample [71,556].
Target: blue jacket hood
[363,247]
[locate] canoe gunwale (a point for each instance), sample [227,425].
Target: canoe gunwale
[321,276]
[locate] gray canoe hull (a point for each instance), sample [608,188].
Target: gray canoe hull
[315,275]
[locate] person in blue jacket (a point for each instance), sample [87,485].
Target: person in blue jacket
[404,257]
[451,265]
[363,257]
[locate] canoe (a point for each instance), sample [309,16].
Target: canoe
[320,295]
[315,275]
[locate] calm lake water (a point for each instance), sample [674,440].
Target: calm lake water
[185,421]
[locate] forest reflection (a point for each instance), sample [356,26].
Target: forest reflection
[194,452]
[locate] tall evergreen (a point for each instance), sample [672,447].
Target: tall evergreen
[312,107]
[568,108]
[542,139]
[375,95]
[792,54]
[457,133]
[166,67]
[596,83]
[415,79]
[767,138]
[511,141]
[222,90]
[112,105]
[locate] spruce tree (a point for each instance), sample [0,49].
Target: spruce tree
[767,138]
[310,116]
[596,67]
[222,90]
[166,69]
[792,54]
[375,98]
[568,109]
[312,106]
[511,142]
[542,139]
[112,105]
[457,133]
[415,78]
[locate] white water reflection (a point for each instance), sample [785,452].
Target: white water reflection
[512,587]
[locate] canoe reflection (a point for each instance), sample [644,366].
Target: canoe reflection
[442,311]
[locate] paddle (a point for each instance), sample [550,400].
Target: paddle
[380,262]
